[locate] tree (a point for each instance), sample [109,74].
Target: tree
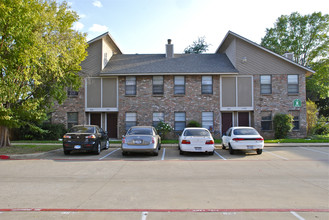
[308,38]
[197,47]
[40,56]
[282,125]
[311,116]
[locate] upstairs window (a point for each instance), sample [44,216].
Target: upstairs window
[206,86]
[265,84]
[179,85]
[157,85]
[293,84]
[130,85]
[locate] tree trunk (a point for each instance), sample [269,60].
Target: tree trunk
[4,137]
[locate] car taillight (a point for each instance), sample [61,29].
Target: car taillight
[123,140]
[259,139]
[210,142]
[67,136]
[91,137]
[238,139]
[186,142]
[153,140]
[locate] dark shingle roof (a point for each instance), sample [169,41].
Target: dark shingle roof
[158,63]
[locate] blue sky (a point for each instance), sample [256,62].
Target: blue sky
[143,26]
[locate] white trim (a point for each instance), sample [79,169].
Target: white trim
[163,74]
[101,109]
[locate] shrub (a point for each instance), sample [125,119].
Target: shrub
[44,131]
[311,116]
[283,124]
[163,129]
[322,127]
[193,124]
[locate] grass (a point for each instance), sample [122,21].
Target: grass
[28,149]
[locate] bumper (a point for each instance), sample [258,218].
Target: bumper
[138,148]
[193,148]
[246,146]
[69,146]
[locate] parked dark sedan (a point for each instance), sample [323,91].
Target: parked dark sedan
[85,138]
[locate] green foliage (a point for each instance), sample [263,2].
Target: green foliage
[194,124]
[311,116]
[322,126]
[283,124]
[197,47]
[40,55]
[163,129]
[308,38]
[45,131]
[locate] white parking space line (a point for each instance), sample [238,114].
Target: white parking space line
[109,154]
[220,155]
[144,215]
[275,155]
[318,151]
[163,154]
[297,216]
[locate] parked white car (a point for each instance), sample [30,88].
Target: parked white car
[196,140]
[243,138]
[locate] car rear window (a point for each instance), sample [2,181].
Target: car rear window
[245,131]
[82,130]
[197,132]
[140,131]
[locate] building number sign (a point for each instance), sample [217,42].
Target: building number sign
[297,103]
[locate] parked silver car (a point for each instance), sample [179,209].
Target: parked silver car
[141,139]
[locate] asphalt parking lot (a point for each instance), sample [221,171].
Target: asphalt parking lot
[281,183]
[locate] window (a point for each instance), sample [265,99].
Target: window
[266,121]
[157,117]
[206,86]
[72,93]
[130,85]
[295,114]
[131,120]
[72,119]
[265,84]
[157,85]
[179,85]
[179,121]
[208,120]
[293,84]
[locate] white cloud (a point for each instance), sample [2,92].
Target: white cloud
[97,4]
[82,15]
[78,26]
[98,28]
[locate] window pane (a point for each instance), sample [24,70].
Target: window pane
[131,116]
[157,89]
[157,80]
[130,80]
[206,80]
[206,89]
[265,79]
[266,122]
[180,116]
[180,89]
[179,126]
[180,121]
[179,80]
[293,88]
[158,116]
[265,89]
[292,79]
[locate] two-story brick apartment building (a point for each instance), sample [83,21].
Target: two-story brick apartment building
[242,84]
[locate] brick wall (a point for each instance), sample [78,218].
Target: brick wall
[193,103]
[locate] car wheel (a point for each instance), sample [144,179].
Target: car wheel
[211,152]
[67,152]
[124,153]
[259,151]
[98,150]
[107,145]
[181,152]
[223,146]
[230,149]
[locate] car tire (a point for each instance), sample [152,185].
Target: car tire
[67,152]
[98,150]
[211,152]
[223,146]
[124,153]
[107,145]
[181,152]
[259,151]
[230,149]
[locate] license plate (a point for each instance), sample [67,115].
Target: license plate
[137,141]
[198,148]
[250,147]
[77,147]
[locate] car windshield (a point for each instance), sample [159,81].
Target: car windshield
[196,132]
[245,131]
[81,129]
[140,131]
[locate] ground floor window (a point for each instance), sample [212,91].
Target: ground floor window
[266,120]
[131,119]
[157,117]
[72,119]
[208,120]
[295,114]
[180,121]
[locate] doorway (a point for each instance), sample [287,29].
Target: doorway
[112,125]
[226,121]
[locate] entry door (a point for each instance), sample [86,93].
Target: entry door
[243,118]
[95,119]
[226,121]
[112,125]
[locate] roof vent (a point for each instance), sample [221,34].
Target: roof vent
[289,56]
[169,49]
